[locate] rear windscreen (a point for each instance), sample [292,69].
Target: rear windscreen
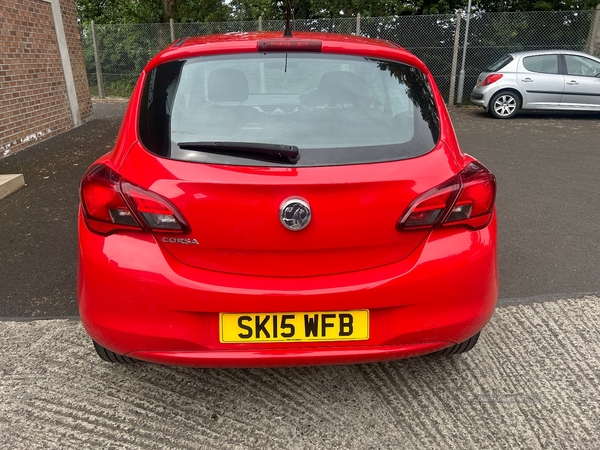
[334,109]
[499,64]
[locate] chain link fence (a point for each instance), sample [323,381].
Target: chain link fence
[116,54]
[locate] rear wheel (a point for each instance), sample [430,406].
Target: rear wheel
[113,357]
[504,105]
[462,347]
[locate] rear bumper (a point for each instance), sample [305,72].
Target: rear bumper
[290,356]
[479,97]
[136,300]
[482,95]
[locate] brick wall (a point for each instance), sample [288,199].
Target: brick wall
[33,93]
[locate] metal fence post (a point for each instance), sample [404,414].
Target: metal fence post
[97,59]
[172,30]
[358,24]
[260,19]
[461,77]
[593,41]
[454,59]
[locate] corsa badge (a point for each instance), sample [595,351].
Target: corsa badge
[184,241]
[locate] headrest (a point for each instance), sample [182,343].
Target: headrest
[340,86]
[339,80]
[227,85]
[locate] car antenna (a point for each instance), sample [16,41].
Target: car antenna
[288,29]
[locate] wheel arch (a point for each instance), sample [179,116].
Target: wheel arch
[518,96]
[509,89]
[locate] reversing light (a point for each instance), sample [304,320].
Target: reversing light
[492,78]
[155,211]
[466,199]
[428,209]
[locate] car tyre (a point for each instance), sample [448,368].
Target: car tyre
[106,355]
[461,347]
[504,105]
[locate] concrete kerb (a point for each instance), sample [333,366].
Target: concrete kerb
[10,183]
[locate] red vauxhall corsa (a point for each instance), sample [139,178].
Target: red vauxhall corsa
[276,201]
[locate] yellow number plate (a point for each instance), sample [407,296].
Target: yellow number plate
[295,327]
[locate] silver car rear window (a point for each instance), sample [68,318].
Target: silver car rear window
[334,109]
[501,63]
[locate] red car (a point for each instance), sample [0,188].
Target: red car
[275,201]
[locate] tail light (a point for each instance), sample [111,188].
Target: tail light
[491,79]
[467,199]
[110,203]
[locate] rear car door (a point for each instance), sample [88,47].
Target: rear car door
[539,77]
[582,83]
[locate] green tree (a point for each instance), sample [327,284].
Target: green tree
[202,11]
[152,11]
[145,11]
[118,11]
[534,5]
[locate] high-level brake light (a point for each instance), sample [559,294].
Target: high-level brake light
[289,45]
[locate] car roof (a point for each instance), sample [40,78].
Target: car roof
[255,36]
[547,52]
[229,43]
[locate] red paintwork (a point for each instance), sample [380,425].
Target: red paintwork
[256,246]
[159,302]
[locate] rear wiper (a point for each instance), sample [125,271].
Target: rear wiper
[288,153]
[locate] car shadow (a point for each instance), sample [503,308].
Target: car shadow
[537,114]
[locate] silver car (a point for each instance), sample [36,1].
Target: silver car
[550,79]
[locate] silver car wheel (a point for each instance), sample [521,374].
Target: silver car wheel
[505,105]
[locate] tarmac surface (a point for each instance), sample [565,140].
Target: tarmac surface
[38,223]
[548,171]
[531,382]
[547,166]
